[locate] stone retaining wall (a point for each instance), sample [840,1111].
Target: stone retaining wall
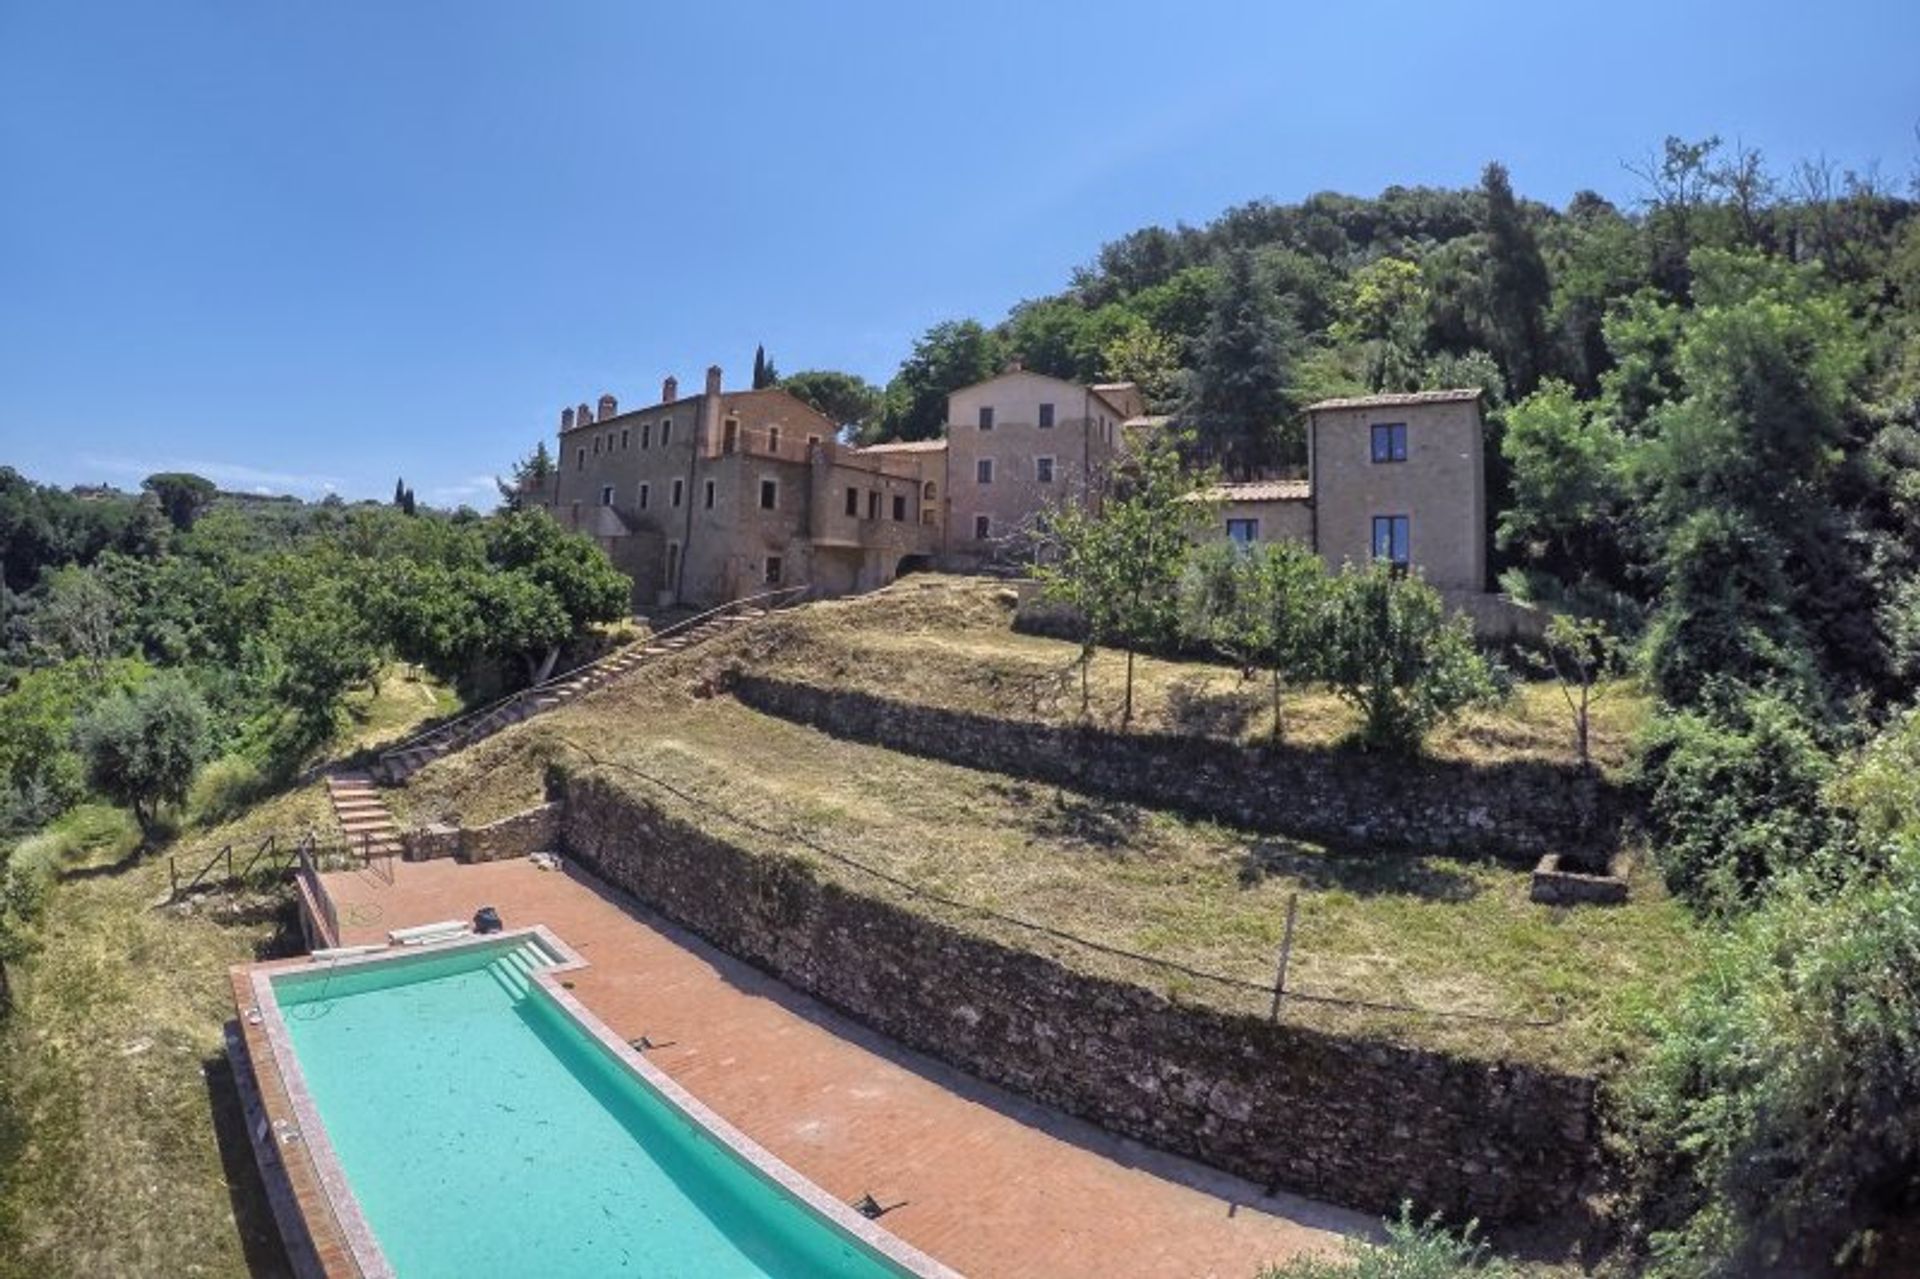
[1360,1122]
[535,830]
[1518,811]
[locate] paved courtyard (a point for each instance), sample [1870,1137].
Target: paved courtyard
[988,1183]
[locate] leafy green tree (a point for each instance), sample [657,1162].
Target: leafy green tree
[948,356]
[1264,606]
[1148,360]
[40,771]
[852,402]
[77,617]
[1517,286]
[183,497]
[1579,651]
[1568,472]
[1119,564]
[141,748]
[531,476]
[1392,652]
[580,583]
[1383,311]
[324,646]
[1237,401]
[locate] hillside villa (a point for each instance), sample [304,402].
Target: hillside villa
[710,497]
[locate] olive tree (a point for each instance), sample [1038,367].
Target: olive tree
[1392,652]
[1263,606]
[142,748]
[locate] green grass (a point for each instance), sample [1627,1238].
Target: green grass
[121,1147]
[1431,931]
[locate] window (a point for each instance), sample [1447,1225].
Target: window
[581,465]
[813,441]
[769,494]
[773,439]
[645,493]
[983,470]
[927,491]
[1043,469]
[1390,442]
[773,570]
[1046,416]
[982,526]
[623,439]
[673,565]
[707,498]
[1390,536]
[873,504]
[853,502]
[1243,532]
[666,431]
[679,488]
[596,446]
[730,436]
[646,435]
[606,495]
[986,417]
[899,506]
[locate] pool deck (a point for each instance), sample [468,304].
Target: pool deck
[988,1183]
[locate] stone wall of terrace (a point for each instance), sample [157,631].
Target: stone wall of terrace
[1518,812]
[1358,1121]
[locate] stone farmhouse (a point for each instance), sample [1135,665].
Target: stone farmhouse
[711,497]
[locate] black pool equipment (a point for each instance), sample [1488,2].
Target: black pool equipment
[486,920]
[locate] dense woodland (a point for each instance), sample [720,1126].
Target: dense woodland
[1705,444]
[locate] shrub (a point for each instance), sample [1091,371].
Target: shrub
[224,789]
[1413,1250]
[1731,801]
[1390,650]
[1776,1126]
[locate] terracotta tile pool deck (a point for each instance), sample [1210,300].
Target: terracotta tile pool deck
[990,1184]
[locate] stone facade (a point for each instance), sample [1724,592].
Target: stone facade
[1517,812]
[1018,443]
[1358,1121]
[1417,458]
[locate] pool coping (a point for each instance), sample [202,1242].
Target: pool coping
[358,1235]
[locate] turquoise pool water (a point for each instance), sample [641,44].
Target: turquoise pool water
[485,1133]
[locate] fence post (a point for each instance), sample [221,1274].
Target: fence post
[1286,953]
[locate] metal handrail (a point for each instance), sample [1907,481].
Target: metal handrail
[224,853]
[453,726]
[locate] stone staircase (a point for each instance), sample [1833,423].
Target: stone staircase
[411,756]
[364,816]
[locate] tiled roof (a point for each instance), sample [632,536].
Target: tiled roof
[1257,491]
[1453,396]
[905,446]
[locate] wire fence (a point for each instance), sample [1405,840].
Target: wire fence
[1277,989]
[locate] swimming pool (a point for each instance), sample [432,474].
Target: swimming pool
[470,1118]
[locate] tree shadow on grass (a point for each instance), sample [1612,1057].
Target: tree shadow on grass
[1362,874]
[1102,824]
[1194,711]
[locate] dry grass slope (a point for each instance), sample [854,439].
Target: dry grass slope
[1427,930]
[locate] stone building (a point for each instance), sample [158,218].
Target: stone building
[710,497]
[1394,477]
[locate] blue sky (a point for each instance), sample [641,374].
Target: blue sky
[301,246]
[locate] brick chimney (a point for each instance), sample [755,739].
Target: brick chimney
[583,415]
[609,407]
[713,379]
[670,389]
[566,419]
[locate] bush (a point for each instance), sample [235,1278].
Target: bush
[1730,802]
[1776,1127]
[224,789]
[1390,650]
[1413,1250]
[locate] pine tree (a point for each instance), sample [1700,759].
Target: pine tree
[400,491]
[1237,401]
[764,374]
[1517,286]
